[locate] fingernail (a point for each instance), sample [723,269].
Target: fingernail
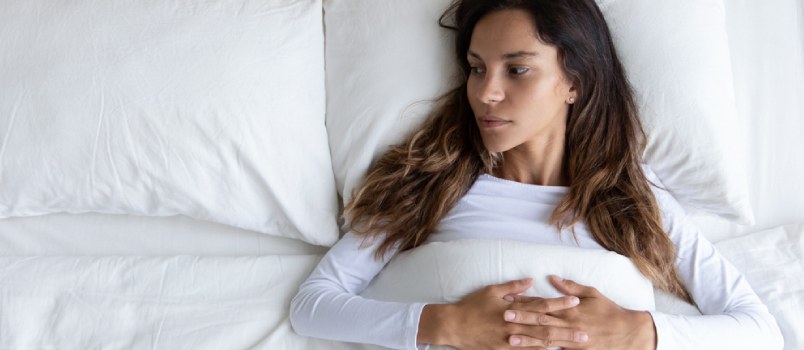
[582,337]
[575,301]
[515,341]
[510,315]
[509,298]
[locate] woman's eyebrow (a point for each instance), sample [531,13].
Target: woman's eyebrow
[519,54]
[507,56]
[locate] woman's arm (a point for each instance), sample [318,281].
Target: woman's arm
[327,305]
[734,316]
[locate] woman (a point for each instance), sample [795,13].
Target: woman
[544,106]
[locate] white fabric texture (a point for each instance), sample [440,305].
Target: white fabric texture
[676,55]
[769,85]
[441,272]
[773,263]
[214,110]
[328,306]
[118,302]
[445,272]
[387,60]
[109,235]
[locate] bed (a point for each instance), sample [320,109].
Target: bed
[170,172]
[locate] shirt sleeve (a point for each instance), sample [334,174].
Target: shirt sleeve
[733,315]
[328,305]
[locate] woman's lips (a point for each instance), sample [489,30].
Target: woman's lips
[491,122]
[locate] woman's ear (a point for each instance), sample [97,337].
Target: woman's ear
[572,95]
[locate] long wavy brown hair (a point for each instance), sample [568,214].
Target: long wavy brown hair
[414,184]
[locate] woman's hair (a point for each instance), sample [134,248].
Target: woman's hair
[414,184]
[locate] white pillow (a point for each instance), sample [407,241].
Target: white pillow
[214,110]
[386,58]
[447,271]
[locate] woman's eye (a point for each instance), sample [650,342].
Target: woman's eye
[476,70]
[518,70]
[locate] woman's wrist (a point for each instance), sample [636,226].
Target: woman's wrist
[436,324]
[646,336]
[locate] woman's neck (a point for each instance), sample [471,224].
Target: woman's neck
[534,165]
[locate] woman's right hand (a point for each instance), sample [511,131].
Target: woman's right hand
[477,321]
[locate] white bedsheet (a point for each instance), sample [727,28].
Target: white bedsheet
[149,302]
[104,234]
[187,302]
[773,263]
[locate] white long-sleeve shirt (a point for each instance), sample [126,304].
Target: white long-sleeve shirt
[328,305]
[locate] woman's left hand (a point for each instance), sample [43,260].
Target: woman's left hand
[607,325]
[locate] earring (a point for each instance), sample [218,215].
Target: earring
[571,100]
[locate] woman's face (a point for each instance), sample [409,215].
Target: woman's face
[516,87]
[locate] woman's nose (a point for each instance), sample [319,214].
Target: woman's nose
[491,90]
